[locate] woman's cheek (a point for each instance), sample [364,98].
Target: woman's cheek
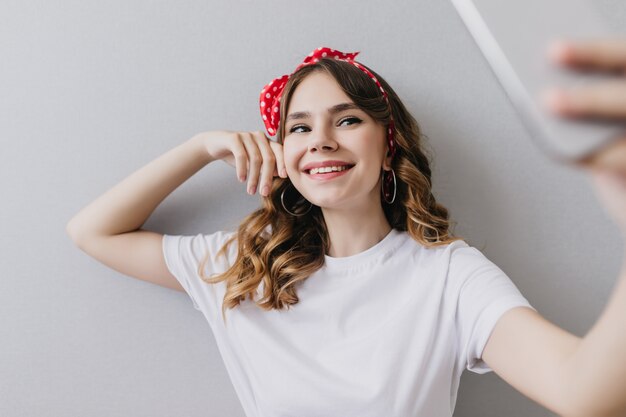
[291,161]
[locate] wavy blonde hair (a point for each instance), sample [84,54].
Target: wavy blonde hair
[294,246]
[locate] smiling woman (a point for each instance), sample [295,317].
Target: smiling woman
[346,292]
[350,258]
[331,113]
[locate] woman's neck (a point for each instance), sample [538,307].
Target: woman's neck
[354,231]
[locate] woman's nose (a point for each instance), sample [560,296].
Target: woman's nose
[322,140]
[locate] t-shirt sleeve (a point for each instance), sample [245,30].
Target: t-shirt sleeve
[484,294]
[183,256]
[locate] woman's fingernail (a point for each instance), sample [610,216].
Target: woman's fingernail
[265,191]
[284,173]
[252,190]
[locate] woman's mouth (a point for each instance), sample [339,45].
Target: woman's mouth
[324,173]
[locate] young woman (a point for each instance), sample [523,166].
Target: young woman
[346,294]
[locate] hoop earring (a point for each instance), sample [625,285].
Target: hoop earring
[282,202]
[386,181]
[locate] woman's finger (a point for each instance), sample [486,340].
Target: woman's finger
[280,159]
[602,100]
[269,162]
[602,54]
[241,159]
[254,161]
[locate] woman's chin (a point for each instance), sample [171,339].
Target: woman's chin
[329,203]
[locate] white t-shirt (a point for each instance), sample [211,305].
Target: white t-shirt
[385,332]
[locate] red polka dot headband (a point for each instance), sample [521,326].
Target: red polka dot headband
[272,92]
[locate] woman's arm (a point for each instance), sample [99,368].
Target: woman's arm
[575,376]
[597,369]
[570,376]
[127,205]
[108,229]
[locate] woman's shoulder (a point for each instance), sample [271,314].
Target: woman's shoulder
[457,251]
[449,246]
[200,243]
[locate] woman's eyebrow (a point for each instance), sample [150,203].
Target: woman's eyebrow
[332,110]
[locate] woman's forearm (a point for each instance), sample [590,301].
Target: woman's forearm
[127,205]
[598,367]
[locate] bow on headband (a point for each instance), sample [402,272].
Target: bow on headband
[272,92]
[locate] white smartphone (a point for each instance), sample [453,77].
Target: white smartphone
[514,37]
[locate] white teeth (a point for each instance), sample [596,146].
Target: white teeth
[328,169]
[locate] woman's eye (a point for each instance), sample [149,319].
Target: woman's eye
[353,119]
[293,129]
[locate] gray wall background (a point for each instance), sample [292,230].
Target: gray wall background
[91,91]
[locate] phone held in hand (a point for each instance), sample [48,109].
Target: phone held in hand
[514,37]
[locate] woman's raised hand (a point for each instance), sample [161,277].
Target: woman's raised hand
[606,99]
[600,100]
[254,156]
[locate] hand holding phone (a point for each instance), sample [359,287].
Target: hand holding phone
[601,100]
[513,37]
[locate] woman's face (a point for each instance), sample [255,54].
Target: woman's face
[325,128]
